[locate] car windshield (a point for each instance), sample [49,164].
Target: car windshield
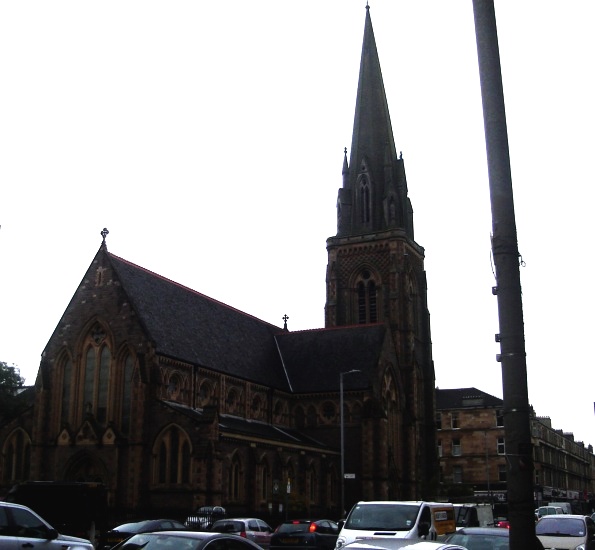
[227,526]
[479,542]
[132,527]
[382,517]
[560,527]
[160,542]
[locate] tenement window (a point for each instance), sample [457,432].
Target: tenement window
[456,447]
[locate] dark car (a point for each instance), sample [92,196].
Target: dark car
[126,530]
[187,540]
[306,534]
[254,529]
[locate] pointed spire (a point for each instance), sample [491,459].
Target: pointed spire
[372,128]
[374,194]
[345,171]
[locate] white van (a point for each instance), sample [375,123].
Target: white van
[372,521]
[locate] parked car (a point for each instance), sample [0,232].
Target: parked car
[566,531]
[478,538]
[21,527]
[305,534]
[548,511]
[187,540]
[255,529]
[402,544]
[381,519]
[204,517]
[502,523]
[126,530]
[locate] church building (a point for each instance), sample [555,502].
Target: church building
[174,400]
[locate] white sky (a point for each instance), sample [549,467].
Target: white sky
[208,137]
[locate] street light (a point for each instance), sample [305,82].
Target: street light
[343,438]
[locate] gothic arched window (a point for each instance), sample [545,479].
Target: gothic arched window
[235,479]
[172,451]
[96,375]
[313,485]
[367,298]
[127,394]
[66,391]
[17,456]
[364,201]
[265,482]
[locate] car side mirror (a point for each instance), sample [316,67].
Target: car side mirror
[52,534]
[340,523]
[423,529]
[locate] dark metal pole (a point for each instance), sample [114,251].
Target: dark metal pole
[342,511]
[517,421]
[341,374]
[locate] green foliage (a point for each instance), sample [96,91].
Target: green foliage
[12,400]
[10,377]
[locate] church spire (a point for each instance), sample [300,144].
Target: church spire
[374,193]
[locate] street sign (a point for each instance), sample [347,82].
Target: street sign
[349,476]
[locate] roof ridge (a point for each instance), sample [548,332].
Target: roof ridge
[187,288]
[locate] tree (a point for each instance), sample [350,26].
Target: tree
[12,398]
[10,378]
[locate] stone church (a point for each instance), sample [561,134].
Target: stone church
[174,400]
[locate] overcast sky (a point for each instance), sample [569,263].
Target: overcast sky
[208,137]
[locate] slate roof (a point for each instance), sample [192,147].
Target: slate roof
[461,398]
[314,359]
[251,429]
[191,327]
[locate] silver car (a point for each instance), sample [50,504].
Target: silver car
[254,529]
[21,527]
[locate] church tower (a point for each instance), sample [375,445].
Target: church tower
[375,271]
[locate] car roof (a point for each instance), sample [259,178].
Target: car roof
[144,522]
[201,535]
[237,519]
[563,516]
[402,544]
[389,502]
[494,531]
[13,505]
[428,545]
[306,520]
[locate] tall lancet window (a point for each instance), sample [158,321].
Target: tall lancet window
[97,361]
[364,200]
[367,299]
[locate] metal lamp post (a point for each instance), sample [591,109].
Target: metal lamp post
[343,438]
